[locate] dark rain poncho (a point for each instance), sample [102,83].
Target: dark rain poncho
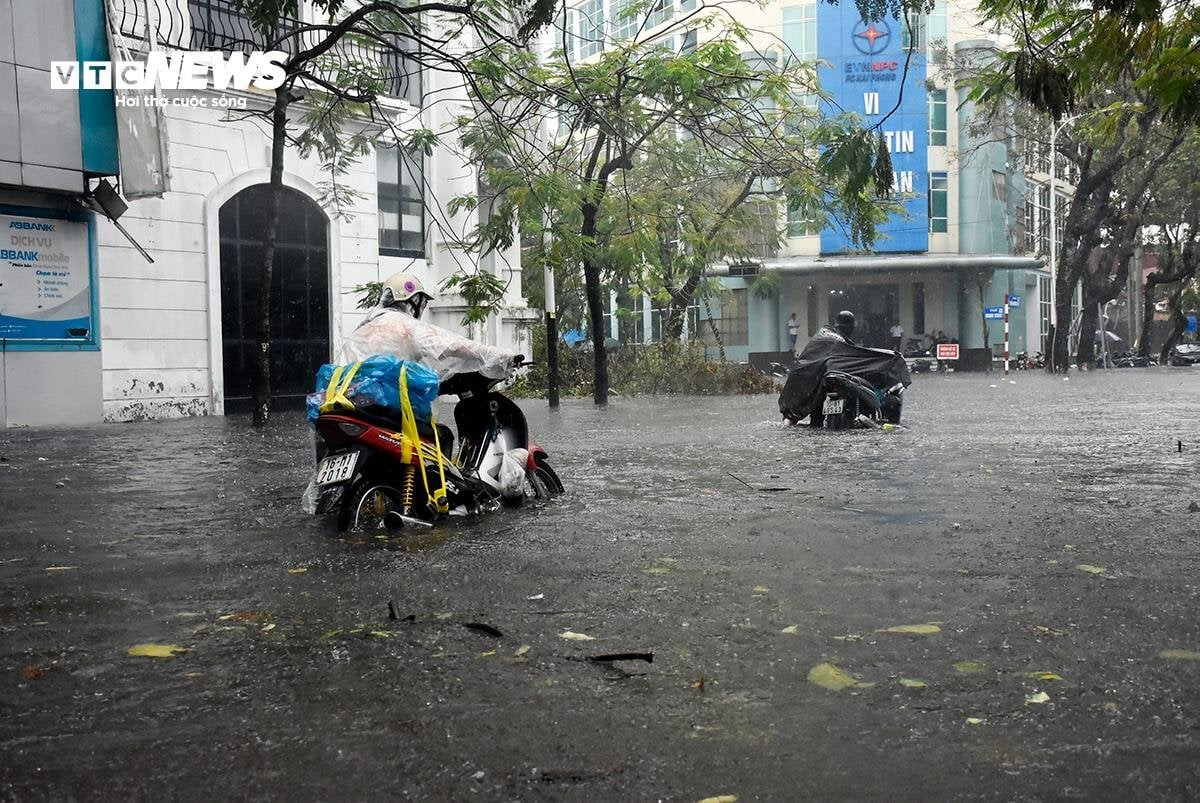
[828,351]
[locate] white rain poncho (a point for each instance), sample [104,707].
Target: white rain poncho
[391,331]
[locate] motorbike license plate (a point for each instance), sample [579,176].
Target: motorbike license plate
[833,406]
[336,468]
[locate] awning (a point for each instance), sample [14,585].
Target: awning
[882,263]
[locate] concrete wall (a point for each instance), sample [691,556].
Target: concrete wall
[49,387]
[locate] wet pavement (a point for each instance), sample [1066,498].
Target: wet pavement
[1037,534]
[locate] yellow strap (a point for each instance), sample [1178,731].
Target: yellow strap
[335,394]
[408,425]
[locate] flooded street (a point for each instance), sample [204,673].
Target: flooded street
[998,602]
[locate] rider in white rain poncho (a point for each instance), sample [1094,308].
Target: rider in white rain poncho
[395,327]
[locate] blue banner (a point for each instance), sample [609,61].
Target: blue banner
[869,74]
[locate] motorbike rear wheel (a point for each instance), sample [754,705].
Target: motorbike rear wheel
[366,504]
[548,477]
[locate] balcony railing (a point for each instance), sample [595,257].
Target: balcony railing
[218,25]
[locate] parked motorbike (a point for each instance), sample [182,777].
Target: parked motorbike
[1184,354]
[372,473]
[1130,359]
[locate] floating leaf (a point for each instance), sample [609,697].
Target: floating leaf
[155,650]
[60,568]
[1180,655]
[31,672]
[790,630]
[298,570]
[379,634]
[524,648]
[828,676]
[268,628]
[921,630]
[1037,699]
[570,635]
[970,667]
[657,570]
[974,721]
[761,590]
[487,654]
[720,799]
[1043,676]
[1090,569]
[913,683]
[244,616]
[849,637]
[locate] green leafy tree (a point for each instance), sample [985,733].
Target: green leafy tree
[626,115]
[336,71]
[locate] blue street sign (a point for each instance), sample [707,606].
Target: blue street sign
[1191,325]
[993,313]
[1014,301]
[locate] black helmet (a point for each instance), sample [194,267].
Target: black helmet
[844,323]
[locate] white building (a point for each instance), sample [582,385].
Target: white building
[175,337]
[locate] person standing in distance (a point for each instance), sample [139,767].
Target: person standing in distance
[793,329]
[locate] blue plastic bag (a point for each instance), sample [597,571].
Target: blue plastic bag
[376,387]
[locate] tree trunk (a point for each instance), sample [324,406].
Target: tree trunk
[1179,320]
[591,276]
[1059,358]
[1085,353]
[262,373]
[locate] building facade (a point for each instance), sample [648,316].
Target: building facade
[171,332]
[972,232]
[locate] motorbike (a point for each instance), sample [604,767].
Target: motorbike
[372,473]
[838,385]
[851,401]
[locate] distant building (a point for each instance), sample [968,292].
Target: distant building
[107,335]
[976,222]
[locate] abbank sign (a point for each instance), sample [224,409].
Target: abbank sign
[866,74]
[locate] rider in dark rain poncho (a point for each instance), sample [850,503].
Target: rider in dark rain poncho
[831,348]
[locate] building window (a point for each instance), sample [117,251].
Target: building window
[938,33]
[937,117]
[801,224]
[1030,228]
[1043,214]
[591,27]
[734,323]
[800,31]
[622,20]
[939,193]
[913,31]
[1044,302]
[401,209]
[660,12]
[689,41]
[918,324]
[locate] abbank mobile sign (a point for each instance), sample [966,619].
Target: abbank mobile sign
[866,75]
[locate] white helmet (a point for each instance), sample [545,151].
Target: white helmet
[404,290]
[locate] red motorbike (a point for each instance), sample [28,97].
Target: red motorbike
[372,473]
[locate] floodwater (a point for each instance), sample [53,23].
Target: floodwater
[1037,534]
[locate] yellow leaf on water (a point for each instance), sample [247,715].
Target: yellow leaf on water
[761,589]
[828,676]
[268,628]
[720,799]
[570,635]
[974,721]
[1037,699]
[970,667]
[790,630]
[657,570]
[155,650]
[1043,676]
[1090,569]
[298,570]
[849,637]
[524,648]
[913,683]
[487,654]
[1180,655]
[60,568]
[379,634]
[443,616]
[921,630]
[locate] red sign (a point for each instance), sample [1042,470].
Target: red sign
[947,351]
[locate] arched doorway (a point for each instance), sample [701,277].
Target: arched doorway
[299,295]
